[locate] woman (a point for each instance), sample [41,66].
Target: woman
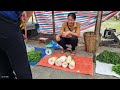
[69,33]
[13,56]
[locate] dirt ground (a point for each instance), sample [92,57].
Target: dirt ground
[40,72]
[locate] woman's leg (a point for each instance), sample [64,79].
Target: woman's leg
[62,42]
[6,71]
[74,42]
[18,58]
[15,49]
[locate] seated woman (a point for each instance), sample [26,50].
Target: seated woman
[69,33]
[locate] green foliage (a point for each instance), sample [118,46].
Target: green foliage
[116,69]
[109,57]
[34,56]
[112,23]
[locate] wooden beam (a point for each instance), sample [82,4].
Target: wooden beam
[98,27]
[53,22]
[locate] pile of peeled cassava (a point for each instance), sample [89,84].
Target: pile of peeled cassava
[63,61]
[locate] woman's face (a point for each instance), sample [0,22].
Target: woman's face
[70,21]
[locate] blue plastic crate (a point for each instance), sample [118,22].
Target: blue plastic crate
[41,50]
[33,63]
[43,54]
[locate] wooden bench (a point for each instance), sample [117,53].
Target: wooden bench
[43,40]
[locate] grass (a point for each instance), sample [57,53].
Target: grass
[112,23]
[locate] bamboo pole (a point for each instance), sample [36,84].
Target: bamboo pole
[53,22]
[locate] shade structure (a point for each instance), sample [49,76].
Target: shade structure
[87,19]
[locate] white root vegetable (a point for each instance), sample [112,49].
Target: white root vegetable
[63,58]
[58,62]
[64,64]
[52,60]
[72,64]
[69,59]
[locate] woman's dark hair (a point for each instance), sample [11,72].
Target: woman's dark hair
[72,15]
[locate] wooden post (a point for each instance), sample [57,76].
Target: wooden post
[98,27]
[97,33]
[53,22]
[26,36]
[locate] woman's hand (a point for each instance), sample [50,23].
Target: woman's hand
[24,17]
[57,38]
[66,34]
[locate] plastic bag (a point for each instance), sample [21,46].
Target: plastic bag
[54,45]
